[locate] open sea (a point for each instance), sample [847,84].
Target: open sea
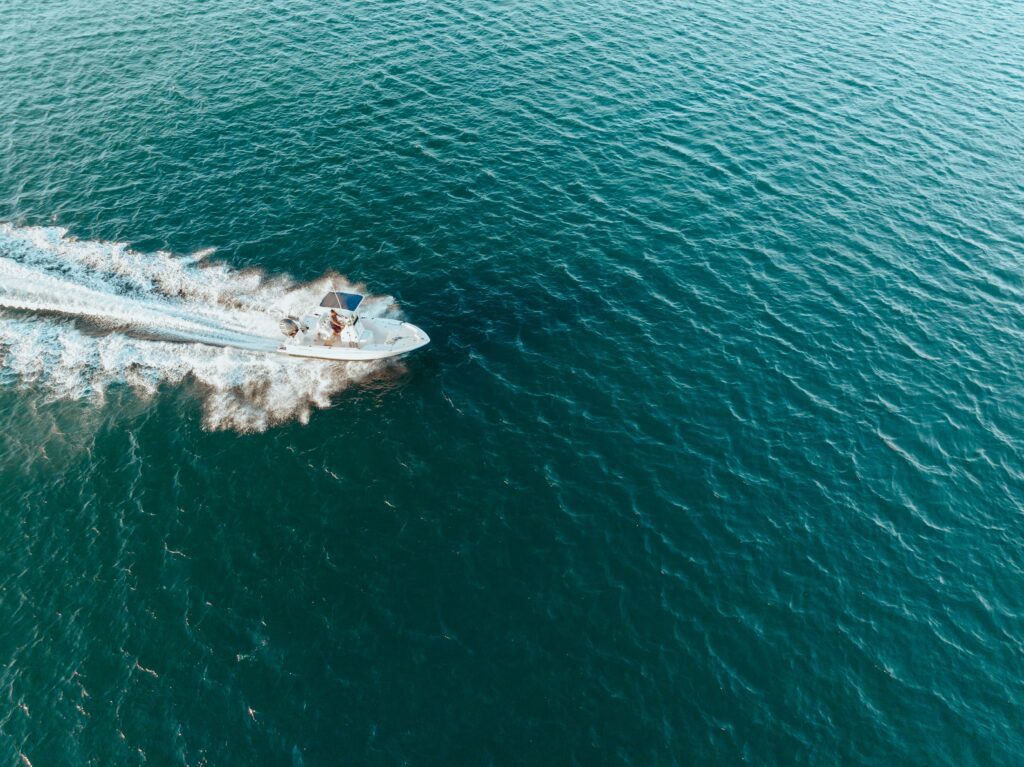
[717,453]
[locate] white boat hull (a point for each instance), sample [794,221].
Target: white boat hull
[380,339]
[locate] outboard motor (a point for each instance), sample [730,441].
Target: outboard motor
[290,326]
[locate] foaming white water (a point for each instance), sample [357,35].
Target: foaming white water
[77,317]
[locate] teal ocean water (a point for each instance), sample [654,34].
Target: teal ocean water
[716,454]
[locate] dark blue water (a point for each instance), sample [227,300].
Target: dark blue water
[715,456]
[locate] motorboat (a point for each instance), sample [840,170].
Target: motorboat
[336,331]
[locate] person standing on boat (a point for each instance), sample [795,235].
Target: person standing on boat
[336,326]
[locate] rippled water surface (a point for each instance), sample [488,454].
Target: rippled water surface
[715,457]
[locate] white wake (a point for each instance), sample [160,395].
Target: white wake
[77,317]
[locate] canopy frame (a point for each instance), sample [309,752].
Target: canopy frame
[338,299]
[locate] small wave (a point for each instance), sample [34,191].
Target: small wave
[77,317]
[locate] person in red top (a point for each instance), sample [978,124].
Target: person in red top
[336,325]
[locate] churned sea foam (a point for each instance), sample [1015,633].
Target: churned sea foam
[77,317]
